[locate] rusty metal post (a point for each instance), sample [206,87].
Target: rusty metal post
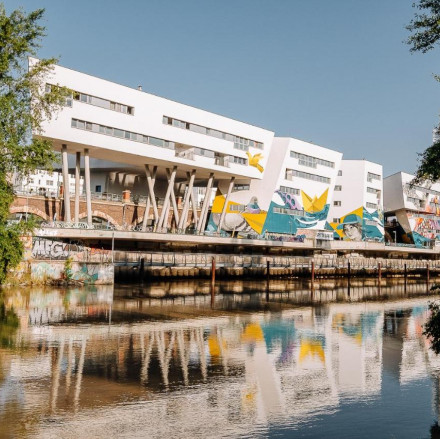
[213,271]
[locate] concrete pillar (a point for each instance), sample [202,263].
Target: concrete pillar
[173,202]
[150,183]
[167,198]
[66,187]
[206,201]
[149,197]
[222,216]
[87,183]
[185,208]
[77,185]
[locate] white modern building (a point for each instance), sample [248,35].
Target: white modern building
[166,144]
[42,182]
[199,170]
[412,211]
[356,212]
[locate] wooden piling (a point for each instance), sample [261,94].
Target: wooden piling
[379,271]
[427,272]
[213,272]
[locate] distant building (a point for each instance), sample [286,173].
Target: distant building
[412,212]
[42,182]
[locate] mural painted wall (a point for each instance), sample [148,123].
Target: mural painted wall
[424,228]
[286,214]
[359,225]
[87,273]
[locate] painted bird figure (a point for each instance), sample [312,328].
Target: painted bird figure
[254,159]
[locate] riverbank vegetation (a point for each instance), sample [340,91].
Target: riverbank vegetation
[24,105]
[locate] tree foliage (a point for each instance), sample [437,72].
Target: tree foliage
[432,327]
[429,164]
[24,106]
[425,26]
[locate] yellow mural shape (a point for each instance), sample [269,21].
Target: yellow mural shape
[219,202]
[215,349]
[252,332]
[314,204]
[312,349]
[359,212]
[255,220]
[254,159]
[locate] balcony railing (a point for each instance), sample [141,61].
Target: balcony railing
[188,155]
[222,161]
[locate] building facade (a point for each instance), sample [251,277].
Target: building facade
[412,211]
[292,198]
[356,212]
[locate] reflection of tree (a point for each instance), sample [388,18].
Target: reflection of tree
[432,326]
[9,323]
[435,431]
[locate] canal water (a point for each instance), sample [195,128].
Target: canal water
[253,360]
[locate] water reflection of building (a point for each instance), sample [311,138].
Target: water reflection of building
[237,372]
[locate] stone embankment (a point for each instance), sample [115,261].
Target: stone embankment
[141,266]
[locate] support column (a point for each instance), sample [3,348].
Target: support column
[206,201]
[173,202]
[150,182]
[149,198]
[222,216]
[77,185]
[66,193]
[184,215]
[194,210]
[167,197]
[87,183]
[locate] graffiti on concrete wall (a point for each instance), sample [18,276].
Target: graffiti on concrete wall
[87,273]
[51,249]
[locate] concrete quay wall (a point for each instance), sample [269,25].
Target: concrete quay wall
[155,266]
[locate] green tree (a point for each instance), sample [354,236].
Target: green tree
[425,26]
[425,29]
[24,106]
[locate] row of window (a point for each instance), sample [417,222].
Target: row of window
[308,160]
[123,134]
[237,207]
[371,177]
[423,189]
[285,211]
[239,142]
[289,190]
[94,100]
[290,173]
[136,137]
[241,187]
[416,201]
[371,205]
[371,190]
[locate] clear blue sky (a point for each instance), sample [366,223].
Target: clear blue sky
[334,72]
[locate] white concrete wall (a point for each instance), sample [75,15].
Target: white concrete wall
[354,183]
[147,120]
